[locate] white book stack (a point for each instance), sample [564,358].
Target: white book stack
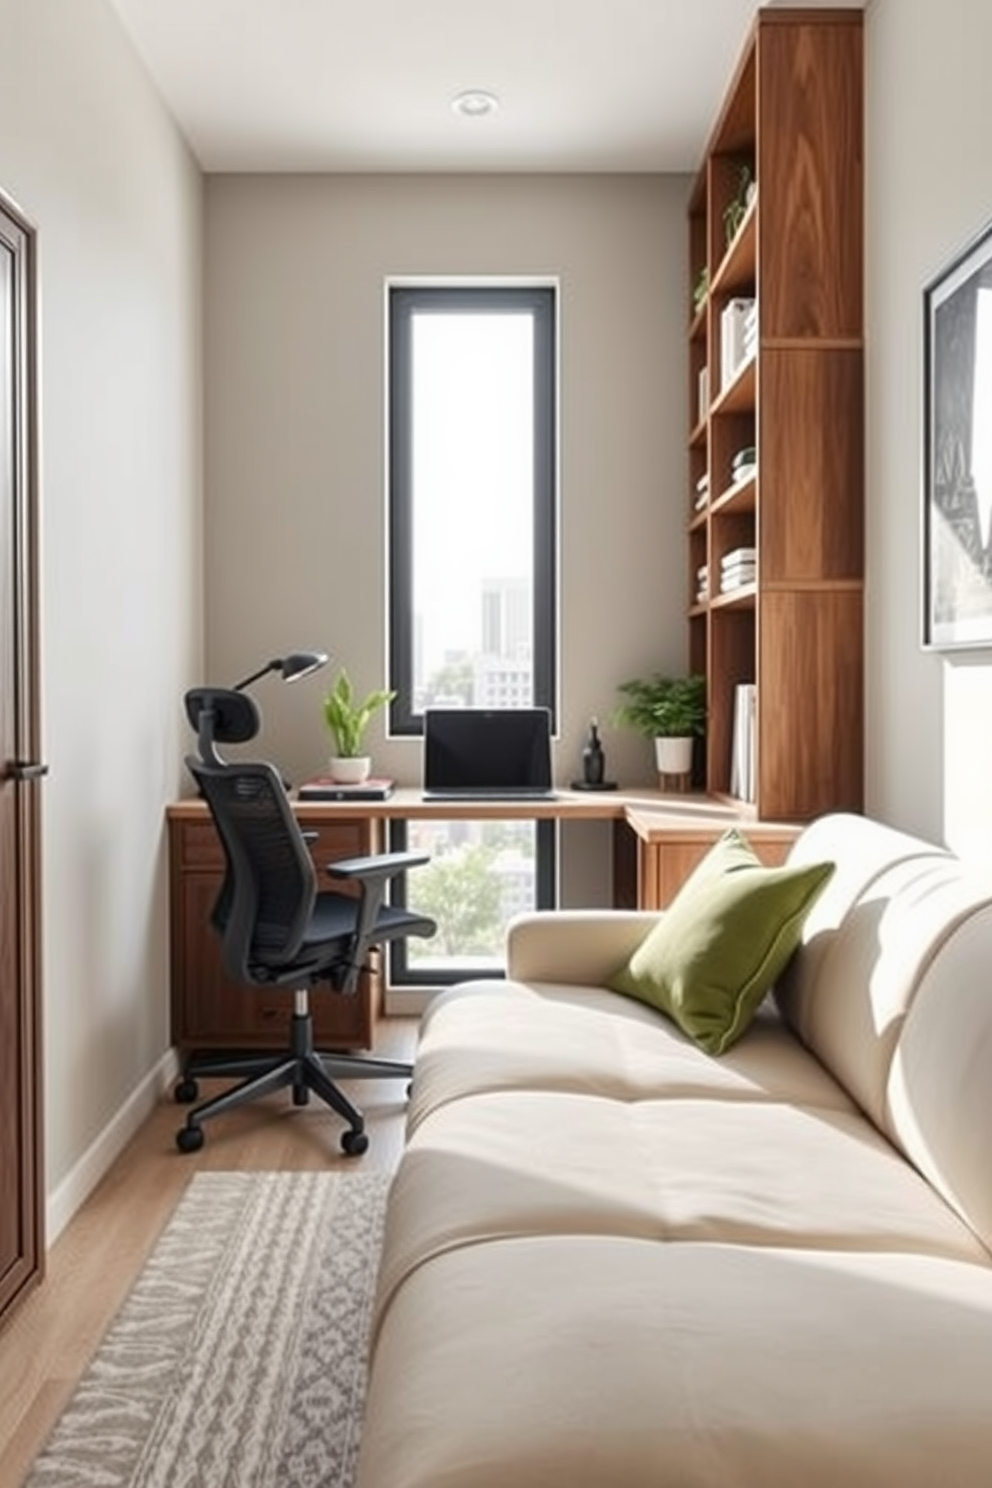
[702,583]
[743,749]
[702,493]
[737,568]
[738,337]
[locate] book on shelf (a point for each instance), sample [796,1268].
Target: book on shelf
[742,757]
[738,337]
[737,568]
[325,788]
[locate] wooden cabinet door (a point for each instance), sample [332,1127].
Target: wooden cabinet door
[22,1245]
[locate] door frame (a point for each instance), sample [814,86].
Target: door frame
[21,769]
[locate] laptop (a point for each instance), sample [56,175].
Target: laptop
[487,754]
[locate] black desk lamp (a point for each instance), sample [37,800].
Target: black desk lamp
[226,715]
[294,666]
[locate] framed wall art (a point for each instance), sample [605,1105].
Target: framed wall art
[957,455]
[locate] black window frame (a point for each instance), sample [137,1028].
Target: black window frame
[541,300]
[404,300]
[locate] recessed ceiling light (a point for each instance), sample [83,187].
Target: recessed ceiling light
[474,103]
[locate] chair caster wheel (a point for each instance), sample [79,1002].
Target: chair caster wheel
[186,1091]
[189,1138]
[354,1143]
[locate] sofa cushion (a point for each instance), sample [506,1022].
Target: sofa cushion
[588,1360]
[864,851]
[524,1163]
[489,1036]
[728,933]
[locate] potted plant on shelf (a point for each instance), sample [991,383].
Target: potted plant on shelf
[348,717]
[669,710]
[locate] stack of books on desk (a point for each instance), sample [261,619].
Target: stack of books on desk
[324,788]
[737,568]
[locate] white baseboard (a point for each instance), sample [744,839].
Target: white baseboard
[77,1186]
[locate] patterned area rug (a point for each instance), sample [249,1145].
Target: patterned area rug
[239,1357]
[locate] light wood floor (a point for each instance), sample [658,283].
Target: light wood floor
[46,1345]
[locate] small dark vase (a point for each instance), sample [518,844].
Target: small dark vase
[593,760]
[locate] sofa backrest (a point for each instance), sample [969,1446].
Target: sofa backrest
[891,990]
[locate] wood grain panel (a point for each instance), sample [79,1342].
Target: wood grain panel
[811,714]
[812,464]
[811,177]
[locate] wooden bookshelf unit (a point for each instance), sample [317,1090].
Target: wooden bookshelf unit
[792,120]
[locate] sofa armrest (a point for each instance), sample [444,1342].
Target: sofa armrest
[585,946]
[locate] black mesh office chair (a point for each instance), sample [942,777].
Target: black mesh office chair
[279,930]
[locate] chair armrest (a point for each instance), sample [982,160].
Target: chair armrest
[574,945]
[378,866]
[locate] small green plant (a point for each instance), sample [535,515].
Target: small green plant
[348,718]
[661,707]
[736,210]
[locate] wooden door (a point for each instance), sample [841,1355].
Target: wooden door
[22,1247]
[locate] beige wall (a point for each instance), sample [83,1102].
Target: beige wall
[929,188]
[91,157]
[295,479]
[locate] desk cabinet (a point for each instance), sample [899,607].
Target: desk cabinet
[208,1009]
[656,852]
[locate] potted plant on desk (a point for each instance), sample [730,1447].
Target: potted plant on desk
[669,710]
[348,717]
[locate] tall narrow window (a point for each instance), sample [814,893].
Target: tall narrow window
[472,593]
[472,498]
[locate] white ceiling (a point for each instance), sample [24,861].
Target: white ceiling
[366,85]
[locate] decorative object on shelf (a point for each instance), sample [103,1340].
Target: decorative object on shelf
[736,210]
[700,289]
[347,717]
[593,763]
[226,715]
[593,759]
[744,464]
[957,542]
[672,712]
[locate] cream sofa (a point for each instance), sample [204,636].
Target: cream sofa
[613,1261]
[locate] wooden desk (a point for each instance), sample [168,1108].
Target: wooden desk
[657,840]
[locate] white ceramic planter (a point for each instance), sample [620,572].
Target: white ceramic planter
[352,770]
[674,756]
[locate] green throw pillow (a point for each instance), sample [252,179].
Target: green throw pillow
[723,941]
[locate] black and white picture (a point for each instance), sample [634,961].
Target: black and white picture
[957,553]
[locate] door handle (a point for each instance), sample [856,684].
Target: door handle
[26,770]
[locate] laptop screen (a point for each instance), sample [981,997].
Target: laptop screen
[487,749]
